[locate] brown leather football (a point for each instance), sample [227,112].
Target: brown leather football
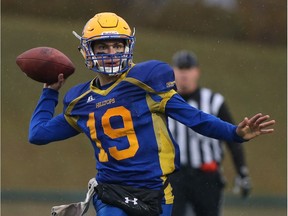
[44,64]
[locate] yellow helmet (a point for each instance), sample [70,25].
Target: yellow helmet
[105,26]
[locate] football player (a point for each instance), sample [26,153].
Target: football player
[123,111]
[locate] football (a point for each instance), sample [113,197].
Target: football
[44,64]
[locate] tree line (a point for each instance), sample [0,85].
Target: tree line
[262,21]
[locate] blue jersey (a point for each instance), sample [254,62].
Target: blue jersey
[126,123]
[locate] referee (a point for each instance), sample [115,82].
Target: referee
[199,183]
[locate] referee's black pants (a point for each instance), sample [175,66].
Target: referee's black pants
[202,190]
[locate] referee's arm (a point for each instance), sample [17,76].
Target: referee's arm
[236,149]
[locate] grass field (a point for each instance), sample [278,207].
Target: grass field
[41,209]
[252,77]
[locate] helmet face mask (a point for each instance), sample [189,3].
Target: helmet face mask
[105,27]
[96,61]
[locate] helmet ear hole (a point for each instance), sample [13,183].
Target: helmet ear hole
[92,45]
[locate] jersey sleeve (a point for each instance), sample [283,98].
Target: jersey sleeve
[201,122]
[155,75]
[44,128]
[71,98]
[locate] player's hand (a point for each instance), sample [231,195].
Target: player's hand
[56,86]
[255,126]
[242,186]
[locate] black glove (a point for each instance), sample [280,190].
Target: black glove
[242,182]
[242,185]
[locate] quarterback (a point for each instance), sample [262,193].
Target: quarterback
[123,111]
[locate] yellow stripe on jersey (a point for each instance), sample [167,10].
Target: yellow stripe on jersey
[165,97]
[165,144]
[105,92]
[73,120]
[166,149]
[140,84]
[168,195]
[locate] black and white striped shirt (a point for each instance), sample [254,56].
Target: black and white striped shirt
[196,149]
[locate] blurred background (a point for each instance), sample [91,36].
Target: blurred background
[241,45]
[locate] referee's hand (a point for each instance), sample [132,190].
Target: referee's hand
[255,126]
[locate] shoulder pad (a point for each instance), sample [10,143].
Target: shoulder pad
[155,74]
[75,92]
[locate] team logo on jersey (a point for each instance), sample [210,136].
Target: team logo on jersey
[90,99]
[134,201]
[105,102]
[170,84]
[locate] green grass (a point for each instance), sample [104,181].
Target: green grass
[252,77]
[44,208]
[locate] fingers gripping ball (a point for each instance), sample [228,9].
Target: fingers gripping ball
[44,64]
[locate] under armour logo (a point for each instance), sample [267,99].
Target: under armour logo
[127,200]
[90,98]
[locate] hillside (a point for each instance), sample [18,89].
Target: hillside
[251,76]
